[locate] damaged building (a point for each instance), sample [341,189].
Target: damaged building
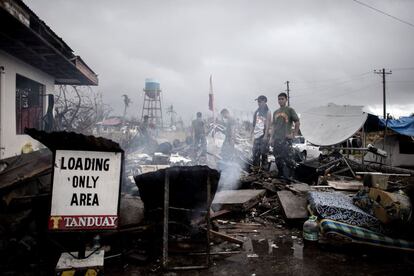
[33,59]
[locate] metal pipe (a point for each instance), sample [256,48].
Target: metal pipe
[369,148]
[350,168]
[215,253]
[188,267]
[166,219]
[208,202]
[387,174]
[2,90]
[344,148]
[187,210]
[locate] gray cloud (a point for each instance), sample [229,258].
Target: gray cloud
[251,47]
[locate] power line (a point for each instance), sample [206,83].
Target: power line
[402,81]
[328,86]
[333,80]
[384,13]
[403,69]
[317,95]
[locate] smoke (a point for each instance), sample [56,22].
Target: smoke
[230,175]
[230,163]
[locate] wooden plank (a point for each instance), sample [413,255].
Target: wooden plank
[242,231]
[237,199]
[226,237]
[234,226]
[219,213]
[294,207]
[299,188]
[352,185]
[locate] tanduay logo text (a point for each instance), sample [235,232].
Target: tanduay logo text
[83,222]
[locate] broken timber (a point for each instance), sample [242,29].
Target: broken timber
[352,185]
[226,237]
[237,200]
[294,207]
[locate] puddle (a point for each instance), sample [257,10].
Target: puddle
[297,250]
[287,255]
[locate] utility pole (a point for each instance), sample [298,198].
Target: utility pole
[383,88]
[287,91]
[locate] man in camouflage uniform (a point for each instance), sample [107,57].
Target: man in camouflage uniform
[199,135]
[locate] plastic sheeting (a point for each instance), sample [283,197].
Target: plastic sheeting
[332,124]
[403,125]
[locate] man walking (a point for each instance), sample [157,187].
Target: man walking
[261,124]
[282,135]
[199,135]
[227,150]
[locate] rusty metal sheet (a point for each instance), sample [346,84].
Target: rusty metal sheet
[332,124]
[188,186]
[24,167]
[62,140]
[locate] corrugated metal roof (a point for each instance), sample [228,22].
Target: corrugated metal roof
[36,44]
[111,122]
[62,140]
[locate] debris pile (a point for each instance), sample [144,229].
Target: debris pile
[169,219]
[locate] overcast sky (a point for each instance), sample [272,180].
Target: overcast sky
[327,49]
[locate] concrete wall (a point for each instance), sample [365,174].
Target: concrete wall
[10,142]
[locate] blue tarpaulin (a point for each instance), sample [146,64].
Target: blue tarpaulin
[403,125]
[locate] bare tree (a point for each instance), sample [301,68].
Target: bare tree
[79,108]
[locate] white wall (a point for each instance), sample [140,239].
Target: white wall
[10,142]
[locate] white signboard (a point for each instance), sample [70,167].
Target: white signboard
[85,190]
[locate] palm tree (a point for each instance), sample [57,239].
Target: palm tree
[127,101]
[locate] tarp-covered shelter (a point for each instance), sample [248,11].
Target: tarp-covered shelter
[333,124]
[398,143]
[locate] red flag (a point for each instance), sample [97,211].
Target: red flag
[210,95]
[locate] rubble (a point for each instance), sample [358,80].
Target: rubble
[294,206]
[237,199]
[253,208]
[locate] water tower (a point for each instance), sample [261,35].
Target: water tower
[152,102]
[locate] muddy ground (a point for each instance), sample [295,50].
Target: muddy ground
[282,252]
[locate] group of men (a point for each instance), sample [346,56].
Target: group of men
[199,135]
[276,131]
[268,130]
